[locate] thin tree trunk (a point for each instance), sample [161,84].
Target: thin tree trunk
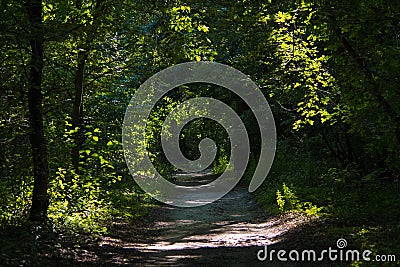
[363,65]
[77,108]
[385,105]
[40,198]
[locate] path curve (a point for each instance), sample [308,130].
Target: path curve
[228,232]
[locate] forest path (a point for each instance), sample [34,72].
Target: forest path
[228,232]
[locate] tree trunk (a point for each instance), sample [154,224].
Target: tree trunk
[77,108]
[40,198]
[363,65]
[385,105]
[83,53]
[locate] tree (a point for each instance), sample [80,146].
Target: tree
[84,44]
[40,198]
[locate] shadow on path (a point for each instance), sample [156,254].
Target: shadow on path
[228,232]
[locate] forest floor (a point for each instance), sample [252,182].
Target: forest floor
[228,232]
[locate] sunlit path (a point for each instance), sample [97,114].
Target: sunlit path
[230,230]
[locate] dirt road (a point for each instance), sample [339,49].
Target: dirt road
[228,232]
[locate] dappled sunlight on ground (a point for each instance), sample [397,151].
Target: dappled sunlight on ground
[221,234]
[233,226]
[230,230]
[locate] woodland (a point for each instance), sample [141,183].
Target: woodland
[68,69]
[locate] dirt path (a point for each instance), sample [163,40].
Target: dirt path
[228,232]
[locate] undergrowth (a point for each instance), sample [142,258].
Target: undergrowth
[363,209]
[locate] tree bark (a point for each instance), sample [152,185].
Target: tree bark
[40,198]
[77,108]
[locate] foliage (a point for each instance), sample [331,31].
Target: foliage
[329,70]
[288,202]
